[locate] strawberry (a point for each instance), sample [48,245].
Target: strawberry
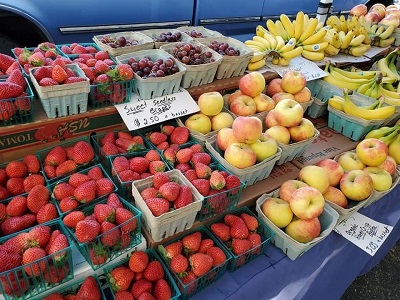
[217,254]
[16,244]
[138,261]
[230,219]
[169,190]
[113,200]
[110,234]
[59,243]
[78,49]
[157,138]
[36,59]
[98,254]
[95,173]
[167,129]
[3,213]
[124,71]
[200,263]
[104,186]
[46,81]
[128,145]
[163,145]
[67,204]
[53,296]
[87,230]
[56,156]
[159,179]
[190,281]
[180,135]
[99,55]
[196,148]
[37,197]
[109,137]
[9,260]
[170,250]
[104,212]
[42,72]
[140,287]
[16,168]
[74,79]
[202,170]
[17,78]
[152,155]
[149,192]
[250,221]
[109,149]
[239,230]
[29,257]
[83,152]
[128,175]
[191,242]
[5,61]
[14,66]
[205,245]
[179,264]
[157,206]
[54,275]
[221,231]
[124,295]
[156,166]
[71,219]
[89,73]
[15,224]
[38,236]
[184,155]
[66,167]
[217,181]
[101,67]
[191,175]
[120,278]
[255,240]
[15,186]
[240,246]
[49,171]
[47,213]
[170,155]
[218,201]
[7,109]
[184,198]
[32,163]
[89,289]
[77,179]
[202,185]
[126,219]
[58,74]
[233,184]
[32,180]
[200,157]
[120,163]
[162,290]
[53,235]
[63,190]
[86,192]
[139,164]
[154,271]
[17,206]
[3,177]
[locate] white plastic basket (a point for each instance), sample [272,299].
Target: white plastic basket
[248,175]
[155,34]
[153,87]
[376,195]
[197,75]
[171,222]
[292,248]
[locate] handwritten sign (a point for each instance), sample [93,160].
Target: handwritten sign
[342,58]
[141,113]
[374,51]
[364,232]
[310,69]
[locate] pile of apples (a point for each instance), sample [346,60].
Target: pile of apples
[379,13]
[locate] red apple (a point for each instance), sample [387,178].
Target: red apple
[288,113]
[247,129]
[358,10]
[240,155]
[288,187]
[307,202]
[274,87]
[303,96]
[334,169]
[372,152]
[243,106]
[303,131]
[303,231]
[252,84]
[357,185]
[392,19]
[379,9]
[372,16]
[336,196]
[233,96]
[270,120]
[225,137]
[282,95]
[293,81]
[264,102]
[389,165]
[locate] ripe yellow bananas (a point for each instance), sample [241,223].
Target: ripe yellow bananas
[387,65]
[253,66]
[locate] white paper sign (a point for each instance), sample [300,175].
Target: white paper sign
[364,232]
[141,113]
[374,51]
[310,69]
[342,58]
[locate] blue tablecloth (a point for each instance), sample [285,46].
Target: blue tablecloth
[323,272]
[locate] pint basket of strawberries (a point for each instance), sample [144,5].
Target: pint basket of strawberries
[35,260]
[195,259]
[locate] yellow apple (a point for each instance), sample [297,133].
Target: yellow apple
[280,96]
[270,120]
[199,122]
[279,133]
[334,169]
[288,187]
[233,96]
[252,84]
[293,81]
[222,120]
[372,152]
[303,96]
[225,137]
[303,131]
[356,185]
[349,160]
[264,102]
[303,231]
[379,9]
[336,196]
[288,113]
[264,147]
[314,176]
[247,129]
[307,203]
[240,155]
[277,211]
[211,103]
[243,106]
[381,179]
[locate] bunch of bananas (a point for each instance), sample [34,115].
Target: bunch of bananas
[374,111]
[386,134]
[390,88]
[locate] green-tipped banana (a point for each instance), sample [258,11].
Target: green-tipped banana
[383,65]
[388,139]
[380,132]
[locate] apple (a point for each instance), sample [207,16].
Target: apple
[252,84]
[247,129]
[349,160]
[303,131]
[225,137]
[288,113]
[372,16]
[288,187]
[270,120]
[392,10]
[356,185]
[280,96]
[381,178]
[293,81]
[392,19]
[334,169]
[279,133]
[199,122]
[264,147]
[243,106]
[263,102]
[303,231]
[379,9]
[233,96]
[336,196]
[303,96]
[274,86]
[372,152]
[389,165]
[277,211]
[222,120]
[314,176]
[210,103]
[307,202]
[240,155]
[358,10]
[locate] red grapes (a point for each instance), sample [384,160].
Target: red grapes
[146,67]
[195,34]
[169,37]
[119,42]
[223,48]
[191,54]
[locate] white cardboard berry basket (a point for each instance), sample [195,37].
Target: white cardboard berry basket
[197,75]
[231,66]
[173,221]
[156,33]
[292,248]
[153,87]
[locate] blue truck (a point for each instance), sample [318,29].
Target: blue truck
[29,22]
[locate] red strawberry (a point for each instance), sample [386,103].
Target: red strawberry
[120,278]
[83,152]
[37,197]
[202,170]
[98,254]
[42,72]
[113,200]
[110,234]
[190,175]
[200,157]
[47,213]
[162,290]
[124,71]
[36,59]
[32,180]
[169,190]
[128,175]
[77,179]
[120,163]
[255,240]
[149,192]
[128,144]
[221,230]
[14,66]
[190,281]
[67,204]
[7,109]
[101,67]
[138,261]
[196,148]
[32,162]
[63,190]
[59,243]
[240,246]
[15,224]
[202,185]
[233,184]
[170,155]
[141,286]
[180,135]
[104,186]
[104,212]
[59,74]
[239,230]
[205,245]
[152,155]
[54,275]
[90,73]
[159,179]
[170,250]
[71,219]
[230,219]
[217,254]
[217,181]
[157,206]
[29,258]
[218,201]
[95,173]
[139,164]
[15,186]
[100,55]
[87,230]
[56,156]
[126,219]
[74,79]
[16,244]
[17,206]
[157,138]
[184,155]
[154,271]
[86,192]
[184,198]
[109,149]
[66,167]
[156,166]
[200,263]
[191,242]
[250,221]
[5,61]
[167,129]
[163,145]
[4,193]
[179,264]
[124,295]
[109,137]
[38,236]
[89,290]
[16,168]
[47,82]
[17,78]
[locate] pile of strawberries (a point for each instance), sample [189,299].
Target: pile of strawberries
[86,55]
[120,142]
[65,159]
[141,277]
[7,64]
[240,234]
[192,257]
[106,226]
[168,135]
[81,188]
[164,194]
[88,289]
[40,253]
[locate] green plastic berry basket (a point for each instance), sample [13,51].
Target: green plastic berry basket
[189,289]
[19,110]
[153,255]
[53,271]
[263,230]
[109,253]
[108,94]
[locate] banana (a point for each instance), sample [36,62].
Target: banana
[253,66]
[280,42]
[257,56]
[275,60]
[306,22]
[341,83]
[282,32]
[367,38]
[288,46]
[271,39]
[343,23]
[334,72]
[394,149]
[336,40]
[357,40]
[266,44]
[347,39]
[358,50]
[380,30]
[387,93]
[272,27]
[287,25]
[292,53]
[373,29]
[299,23]
[383,65]
[331,50]
[381,132]
[387,33]
[336,103]
[388,139]
[366,24]
[316,47]
[313,55]
[309,30]
[390,87]
[392,101]
[319,26]
[373,91]
[362,89]
[355,74]
[255,45]
[315,38]
[260,30]
[387,42]
[283,62]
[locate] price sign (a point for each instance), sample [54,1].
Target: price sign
[310,69]
[342,58]
[141,113]
[374,51]
[364,232]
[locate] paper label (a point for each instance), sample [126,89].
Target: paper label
[364,232]
[141,113]
[374,51]
[342,58]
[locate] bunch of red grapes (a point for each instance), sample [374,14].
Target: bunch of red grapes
[169,37]
[146,67]
[190,54]
[195,34]
[223,48]
[119,42]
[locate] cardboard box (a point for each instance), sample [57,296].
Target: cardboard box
[327,145]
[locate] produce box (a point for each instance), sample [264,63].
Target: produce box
[111,243]
[292,248]
[173,221]
[165,36]
[152,87]
[376,195]
[52,269]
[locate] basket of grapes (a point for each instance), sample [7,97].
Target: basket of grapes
[200,61]
[199,32]
[235,55]
[164,36]
[156,72]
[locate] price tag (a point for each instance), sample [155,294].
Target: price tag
[364,232]
[374,51]
[140,113]
[310,69]
[342,58]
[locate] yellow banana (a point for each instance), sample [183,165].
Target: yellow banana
[253,66]
[388,139]
[288,46]
[387,33]
[261,30]
[299,23]
[272,27]
[380,30]
[374,27]
[306,22]
[392,101]
[341,83]
[342,75]
[387,93]
[331,50]
[358,50]
[336,103]
[313,55]
[292,53]
[255,45]
[282,32]
[381,132]
[390,87]
[262,41]
[309,30]
[373,91]
[316,47]
[347,39]
[319,26]
[383,65]
[287,25]
[343,23]
[367,38]
[275,60]
[336,40]
[271,39]
[283,62]
[280,42]
[355,74]
[363,89]
[257,56]
[387,42]
[357,40]
[315,38]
